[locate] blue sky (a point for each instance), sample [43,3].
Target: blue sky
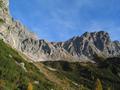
[59,20]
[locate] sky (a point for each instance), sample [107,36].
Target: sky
[59,20]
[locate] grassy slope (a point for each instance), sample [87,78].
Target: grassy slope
[14,77]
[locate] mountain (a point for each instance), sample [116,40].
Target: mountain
[87,62]
[79,48]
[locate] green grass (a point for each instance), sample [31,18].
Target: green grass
[14,77]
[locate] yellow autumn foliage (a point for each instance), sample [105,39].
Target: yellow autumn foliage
[98,85]
[30,86]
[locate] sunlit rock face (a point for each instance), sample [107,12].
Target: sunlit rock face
[90,44]
[79,48]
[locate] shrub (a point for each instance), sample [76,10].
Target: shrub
[1,21]
[98,85]
[2,84]
[1,3]
[30,86]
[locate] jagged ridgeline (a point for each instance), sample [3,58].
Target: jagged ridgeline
[79,48]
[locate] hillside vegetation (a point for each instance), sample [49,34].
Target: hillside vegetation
[17,74]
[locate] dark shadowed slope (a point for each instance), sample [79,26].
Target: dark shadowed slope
[107,71]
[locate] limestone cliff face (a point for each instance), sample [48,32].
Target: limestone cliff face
[78,48]
[11,31]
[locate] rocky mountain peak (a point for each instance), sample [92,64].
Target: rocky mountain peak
[94,35]
[90,44]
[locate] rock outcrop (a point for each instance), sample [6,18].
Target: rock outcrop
[78,48]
